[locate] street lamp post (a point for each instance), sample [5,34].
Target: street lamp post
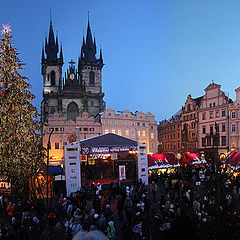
[48,148]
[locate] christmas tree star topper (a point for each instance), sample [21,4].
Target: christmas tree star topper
[6,29]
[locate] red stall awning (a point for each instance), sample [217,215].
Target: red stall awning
[162,160]
[195,158]
[233,160]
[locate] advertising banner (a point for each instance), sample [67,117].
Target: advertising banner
[106,150]
[142,162]
[72,168]
[122,172]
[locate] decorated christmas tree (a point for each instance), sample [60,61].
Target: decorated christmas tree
[21,152]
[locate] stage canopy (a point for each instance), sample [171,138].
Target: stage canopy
[107,144]
[162,160]
[233,160]
[192,158]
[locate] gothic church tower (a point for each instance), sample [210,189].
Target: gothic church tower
[81,88]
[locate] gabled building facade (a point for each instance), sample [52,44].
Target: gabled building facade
[169,135]
[213,130]
[189,124]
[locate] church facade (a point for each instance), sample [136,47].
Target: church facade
[70,102]
[80,90]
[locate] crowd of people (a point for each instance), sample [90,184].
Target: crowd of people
[203,203]
[88,209]
[196,202]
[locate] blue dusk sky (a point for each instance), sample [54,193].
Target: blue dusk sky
[156,52]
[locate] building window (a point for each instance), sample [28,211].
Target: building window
[127,132]
[119,132]
[91,129]
[204,116]
[223,113]
[109,114]
[56,129]
[106,131]
[133,124]
[114,131]
[152,127]
[53,81]
[144,125]
[72,111]
[211,130]
[152,135]
[138,124]
[139,133]
[119,123]
[127,123]
[223,128]
[214,104]
[224,140]
[203,142]
[233,143]
[51,129]
[211,115]
[106,122]
[203,130]
[233,114]
[217,114]
[126,115]
[57,145]
[209,141]
[113,123]
[62,129]
[183,118]
[91,78]
[144,134]
[233,127]
[210,105]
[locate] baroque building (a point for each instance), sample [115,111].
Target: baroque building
[213,130]
[189,124]
[137,126]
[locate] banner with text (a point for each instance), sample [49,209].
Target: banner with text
[72,168]
[122,172]
[142,162]
[106,150]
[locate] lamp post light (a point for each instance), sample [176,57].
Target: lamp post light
[48,148]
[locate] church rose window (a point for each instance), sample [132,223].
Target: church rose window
[91,78]
[53,82]
[72,111]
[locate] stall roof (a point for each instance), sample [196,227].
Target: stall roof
[108,140]
[195,158]
[233,160]
[162,160]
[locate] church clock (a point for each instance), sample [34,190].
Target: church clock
[72,76]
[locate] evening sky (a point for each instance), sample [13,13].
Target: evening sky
[156,52]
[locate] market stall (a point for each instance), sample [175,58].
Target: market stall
[161,163]
[192,158]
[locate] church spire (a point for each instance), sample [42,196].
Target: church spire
[89,47]
[51,46]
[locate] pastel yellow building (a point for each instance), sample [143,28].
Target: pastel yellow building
[137,126]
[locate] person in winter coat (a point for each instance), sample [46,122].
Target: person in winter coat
[111,231]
